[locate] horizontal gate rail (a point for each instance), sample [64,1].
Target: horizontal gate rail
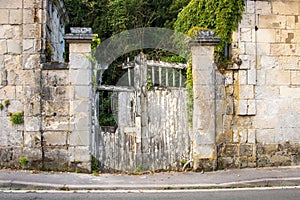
[115,88]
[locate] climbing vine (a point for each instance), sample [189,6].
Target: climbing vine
[190,95]
[222,16]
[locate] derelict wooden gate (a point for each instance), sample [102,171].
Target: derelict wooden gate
[152,131]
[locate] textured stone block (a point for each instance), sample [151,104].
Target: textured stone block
[261,49]
[80,48]
[278,77]
[266,136]
[14,46]
[82,154]
[3,77]
[82,92]
[11,4]
[3,47]
[79,61]
[80,77]
[285,7]
[266,92]
[56,108]
[32,139]
[15,16]
[251,108]
[28,45]
[10,32]
[251,136]
[204,151]
[242,77]
[8,92]
[55,78]
[289,62]
[291,22]
[269,62]
[251,77]
[246,91]
[56,158]
[32,123]
[265,35]
[295,77]
[4,16]
[80,106]
[33,108]
[28,17]
[228,78]
[272,21]
[235,137]
[263,7]
[289,92]
[248,21]
[243,135]
[31,31]
[246,34]
[242,107]
[53,123]
[55,138]
[12,61]
[278,49]
[79,138]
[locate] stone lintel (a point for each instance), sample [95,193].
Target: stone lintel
[54,66]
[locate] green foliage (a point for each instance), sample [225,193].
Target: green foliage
[48,52]
[95,165]
[95,42]
[1,107]
[6,103]
[17,118]
[190,93]
[174,59]
[220,15]
[172,12]
[138,169]
[195,31]
[149,82]
[106,115]
[23,161]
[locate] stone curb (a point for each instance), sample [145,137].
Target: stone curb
[268,182]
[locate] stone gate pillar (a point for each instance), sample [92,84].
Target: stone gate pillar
[204,114]
[80,80]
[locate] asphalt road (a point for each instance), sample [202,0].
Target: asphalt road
[234,194]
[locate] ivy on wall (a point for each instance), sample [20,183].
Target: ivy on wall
[222,16]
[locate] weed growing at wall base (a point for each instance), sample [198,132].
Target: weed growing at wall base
[23,161]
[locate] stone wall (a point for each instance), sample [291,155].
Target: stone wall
[258,126]
[21,46]
[48,95]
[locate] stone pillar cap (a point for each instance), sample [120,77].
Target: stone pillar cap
[79,33]
[205,38]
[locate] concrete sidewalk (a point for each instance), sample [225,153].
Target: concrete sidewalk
[282,176]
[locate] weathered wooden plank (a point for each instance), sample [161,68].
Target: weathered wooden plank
[116,88]
[166,64]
